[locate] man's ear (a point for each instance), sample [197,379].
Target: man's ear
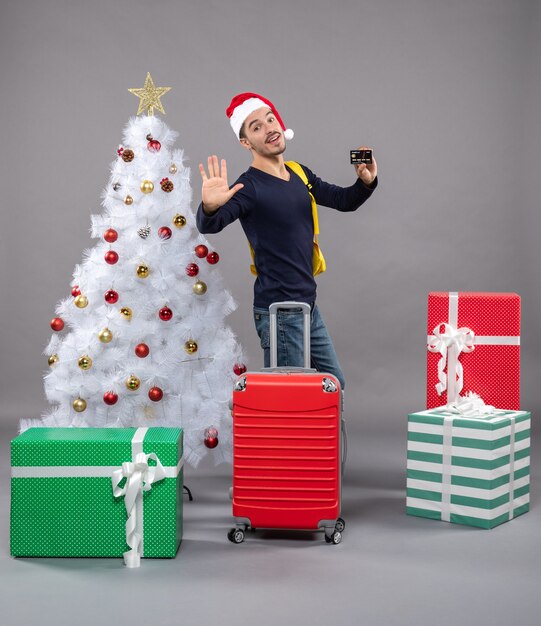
[245,143]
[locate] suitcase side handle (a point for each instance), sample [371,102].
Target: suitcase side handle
[273,329]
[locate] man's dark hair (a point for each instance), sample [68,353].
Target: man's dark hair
[242,134]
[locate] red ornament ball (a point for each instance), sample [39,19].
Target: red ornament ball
[211,437]
[110,398]
[142,350]
[111,296]
[120,150]
[110,235]
[201,251]
[192,269]
[111,257]
[239,368]
[211,442]
[213,258]
[75,291]
[154,145]
[165,232]
[165,314]
[155,394]
[57,324]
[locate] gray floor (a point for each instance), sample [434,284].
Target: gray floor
[390,569]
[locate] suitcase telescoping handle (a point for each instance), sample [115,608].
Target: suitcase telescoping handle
[273,329]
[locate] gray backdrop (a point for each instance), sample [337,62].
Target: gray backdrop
[448,94]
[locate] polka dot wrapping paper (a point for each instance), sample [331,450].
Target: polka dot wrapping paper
[492,368]
[62,501]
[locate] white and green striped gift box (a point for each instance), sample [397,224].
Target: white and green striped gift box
[468,470]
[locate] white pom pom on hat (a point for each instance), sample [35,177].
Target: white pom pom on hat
[244,104]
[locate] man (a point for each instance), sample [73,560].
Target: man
[275,210]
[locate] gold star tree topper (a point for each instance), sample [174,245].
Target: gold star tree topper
[150,96]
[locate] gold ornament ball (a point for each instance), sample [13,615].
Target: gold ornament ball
[81,301]
[179,221]
[105,335]
[128,200]
[79,405]
[200,288]
[143,270]
[53,359]
[147,186]
[85,362]
[173,169]
[190,346]
[126,312]
[133,383]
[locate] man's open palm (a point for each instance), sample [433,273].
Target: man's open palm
[215,191]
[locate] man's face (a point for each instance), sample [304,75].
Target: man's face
[263,133]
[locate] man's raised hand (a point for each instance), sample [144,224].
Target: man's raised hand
[367,172]
[215,191]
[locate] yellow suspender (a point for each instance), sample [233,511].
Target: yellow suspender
[318,261]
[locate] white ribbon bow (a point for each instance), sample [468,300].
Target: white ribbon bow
[450,341]
[139,477]
[471,405]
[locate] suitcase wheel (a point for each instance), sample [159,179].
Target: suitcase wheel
[236,535]
[335,538]
[340,525]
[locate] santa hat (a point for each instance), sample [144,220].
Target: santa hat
[243,104]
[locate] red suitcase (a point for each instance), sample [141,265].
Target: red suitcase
[287,446]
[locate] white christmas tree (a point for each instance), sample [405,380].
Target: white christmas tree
[142,341]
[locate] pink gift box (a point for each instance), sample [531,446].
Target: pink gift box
[473,345]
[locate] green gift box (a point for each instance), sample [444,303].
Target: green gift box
[468,470]
[96,492]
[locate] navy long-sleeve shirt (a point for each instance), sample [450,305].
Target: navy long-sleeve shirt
[276,216]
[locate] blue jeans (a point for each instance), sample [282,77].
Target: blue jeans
[290,341]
